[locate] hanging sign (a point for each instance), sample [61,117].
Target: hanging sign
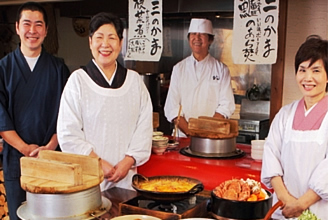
[145,35]
[255,31]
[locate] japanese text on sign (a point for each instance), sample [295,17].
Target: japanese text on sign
[145,35]
[255,33]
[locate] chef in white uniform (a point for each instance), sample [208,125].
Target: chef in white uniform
[295,159]
[199,83]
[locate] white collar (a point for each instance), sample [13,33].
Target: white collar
[31,61]
[110,81]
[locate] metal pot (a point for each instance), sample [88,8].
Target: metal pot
[233,209]
[86,204]
[212,146]
[166,196]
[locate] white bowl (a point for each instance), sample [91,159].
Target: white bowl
[134,217]
[257,144]
[257,156]
[157,133]
[257,151]
[196,218]
[160,138]
[160,141]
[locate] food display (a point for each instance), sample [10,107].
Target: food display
[241,190]
[167,185]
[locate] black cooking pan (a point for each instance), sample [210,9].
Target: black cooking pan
[166,196]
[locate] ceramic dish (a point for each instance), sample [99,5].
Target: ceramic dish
[157,133]
[159,150]
[136,217]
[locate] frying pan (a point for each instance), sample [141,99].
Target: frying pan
[166,196]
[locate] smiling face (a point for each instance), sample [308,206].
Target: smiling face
[199,44]
[312,80]
[32,30]
[105,46]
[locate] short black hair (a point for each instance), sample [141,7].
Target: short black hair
[102,18]
[313,49]
[33,6]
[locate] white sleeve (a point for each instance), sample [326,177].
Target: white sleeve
[271,163]
[226,105]
[319,179]
[70,133]
[173,99]
[141,142]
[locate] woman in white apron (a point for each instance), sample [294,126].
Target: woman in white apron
[105,109]
[295,162]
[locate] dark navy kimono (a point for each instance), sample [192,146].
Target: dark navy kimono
[29,103]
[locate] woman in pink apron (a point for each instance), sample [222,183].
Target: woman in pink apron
[295,162]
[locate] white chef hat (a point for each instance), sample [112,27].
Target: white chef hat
[200,25]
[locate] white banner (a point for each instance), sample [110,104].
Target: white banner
[255,31]
[145,35]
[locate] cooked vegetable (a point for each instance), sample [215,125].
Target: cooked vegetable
[252,197]
[308,215]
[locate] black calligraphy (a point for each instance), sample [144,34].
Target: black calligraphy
[148,28]
[260,32]
[268,31]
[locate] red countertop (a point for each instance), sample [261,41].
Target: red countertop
[211,172]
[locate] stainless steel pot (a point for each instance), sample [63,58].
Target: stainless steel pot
[212,146]
[86,204]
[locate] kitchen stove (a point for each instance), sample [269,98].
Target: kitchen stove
[195,206]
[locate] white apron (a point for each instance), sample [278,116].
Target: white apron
[301,153]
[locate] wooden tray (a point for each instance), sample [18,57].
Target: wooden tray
[210,127]
[56,172]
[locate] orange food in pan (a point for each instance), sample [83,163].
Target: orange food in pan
[163,185]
